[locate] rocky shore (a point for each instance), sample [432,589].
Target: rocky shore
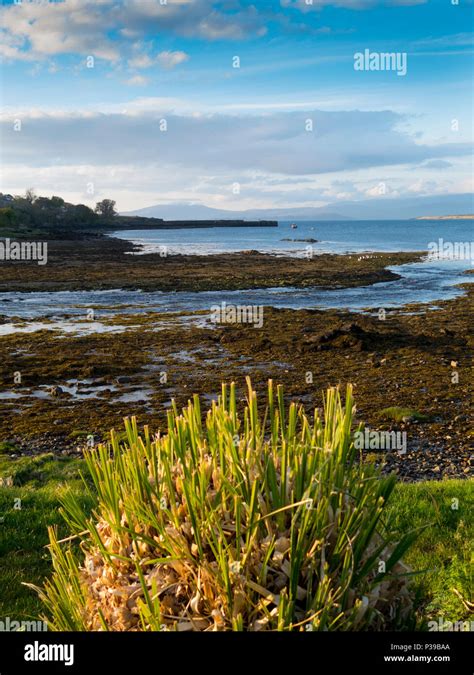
[410,369]
[101,263]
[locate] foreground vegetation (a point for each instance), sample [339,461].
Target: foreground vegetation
[242,524]
[275,524]
[27,508]
[443,552]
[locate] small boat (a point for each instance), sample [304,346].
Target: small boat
[293,226]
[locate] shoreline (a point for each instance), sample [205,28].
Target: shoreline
[465,217]
[403,361]
[75,384]
[103,263]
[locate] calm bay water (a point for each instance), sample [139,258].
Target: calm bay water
[333,237]
[426,282]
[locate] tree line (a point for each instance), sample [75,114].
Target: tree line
[30,209]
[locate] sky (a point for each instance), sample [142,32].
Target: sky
[235,104]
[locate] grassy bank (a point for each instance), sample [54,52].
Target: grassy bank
[442,551]
[443,512]
[26,510]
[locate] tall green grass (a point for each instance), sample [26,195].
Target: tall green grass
[243,522]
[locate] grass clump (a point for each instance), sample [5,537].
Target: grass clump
[242,523]
[399,414]
[7,447]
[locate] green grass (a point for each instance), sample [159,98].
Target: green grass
[39,483]
[397,414]
[7,447]
[443,549]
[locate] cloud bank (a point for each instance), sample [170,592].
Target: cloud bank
[290,143]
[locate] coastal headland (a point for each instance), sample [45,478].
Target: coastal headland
[142,223]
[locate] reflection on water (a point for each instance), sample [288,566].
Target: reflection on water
[424,282]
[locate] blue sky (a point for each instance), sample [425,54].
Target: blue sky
[294,124]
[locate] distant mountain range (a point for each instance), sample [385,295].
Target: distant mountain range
[386,208]
[187,211]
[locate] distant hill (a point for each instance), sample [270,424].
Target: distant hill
[463,217]
[379,208]
[188,211]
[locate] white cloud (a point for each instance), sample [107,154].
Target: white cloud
[165,59]
[437,164]
[31,30]
[378,190]
[422,187]
[308,5]
[141,61]
[137,81]
[59,28]
[456,40]
[276,142]
[171,59]
[135,186]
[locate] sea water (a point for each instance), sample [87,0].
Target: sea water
[429,281]
[350,236]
